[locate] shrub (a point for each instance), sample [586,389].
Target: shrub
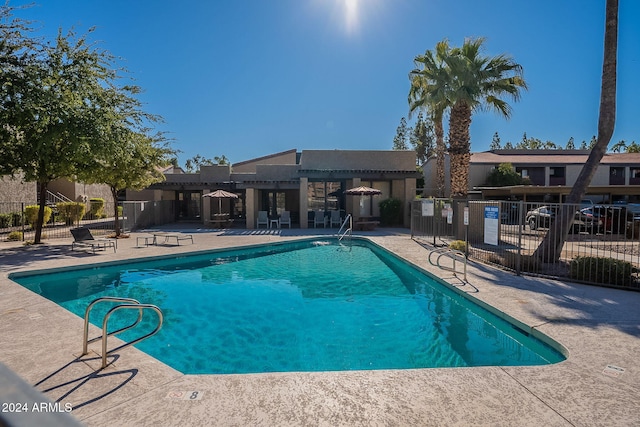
[96,208]
[606,271]
[15,236]
[391,212]
[31,214]
[16,218]
[5,220]
[458,245]
[71,212]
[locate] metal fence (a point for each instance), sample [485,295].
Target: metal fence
[602,247]
[15,223]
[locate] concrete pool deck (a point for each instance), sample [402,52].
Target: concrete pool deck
[599,327]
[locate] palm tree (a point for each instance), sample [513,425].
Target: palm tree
[476,82]
[550,248]
[429,84]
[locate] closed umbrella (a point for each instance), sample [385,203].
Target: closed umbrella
[363,191]
[221,194]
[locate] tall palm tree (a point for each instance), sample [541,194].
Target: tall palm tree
[429,84]
[476,82]
[551,246]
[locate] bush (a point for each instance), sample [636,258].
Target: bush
[15,236]
[71,212]
[606,271]
[31,214]
[96,208]
[5,220]
[458,245]
[391,212]
[16,219]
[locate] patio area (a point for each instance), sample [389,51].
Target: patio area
[597,385]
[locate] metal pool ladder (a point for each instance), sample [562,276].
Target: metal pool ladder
[128,304]
[452,254]
[347,229]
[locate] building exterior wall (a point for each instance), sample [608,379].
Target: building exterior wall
[215,173]
[16,190]
[78,191]
[284,158]
[358,160]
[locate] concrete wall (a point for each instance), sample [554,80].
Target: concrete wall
[77,190]
[15,190]
[358,159]
[215,173]
[249,166]
[276,172]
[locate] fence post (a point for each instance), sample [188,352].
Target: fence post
[22,218]
[520,231]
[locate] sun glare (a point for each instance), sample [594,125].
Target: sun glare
[351,15]
[348,16]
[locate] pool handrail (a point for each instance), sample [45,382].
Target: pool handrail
[452,254]
[85,340]
[129,303]
[348,219]
[105,322]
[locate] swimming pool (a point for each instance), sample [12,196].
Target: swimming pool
[303,306]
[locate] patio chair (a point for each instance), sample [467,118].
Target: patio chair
[318,218]
[285,218]
[82,237]
[335,218]
[263,218]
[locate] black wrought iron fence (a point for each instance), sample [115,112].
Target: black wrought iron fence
[602,247]
[17,220]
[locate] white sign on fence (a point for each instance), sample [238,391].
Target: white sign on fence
[427,208]
[491,225]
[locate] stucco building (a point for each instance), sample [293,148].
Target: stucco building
[552,174]
[293,181]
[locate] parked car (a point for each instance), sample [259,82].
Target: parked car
[543,217]
[613,219]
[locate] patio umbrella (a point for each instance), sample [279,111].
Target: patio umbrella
[362,191]
[221,194]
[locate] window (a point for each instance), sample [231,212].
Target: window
[557,172]
[617,172]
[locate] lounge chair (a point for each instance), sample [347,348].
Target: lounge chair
[285,218]
[318,218]
[82,237]
[335,218]
[263,218]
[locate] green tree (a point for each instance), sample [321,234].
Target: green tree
[194,164]
[51,107]
[508,146]
[504,175]
[495,142]
[476,82]
[400,140]
[619,146]
[221,160]
[551,246]
[428,91]
[633,147]
[421,139]
[129,160]
[570,144]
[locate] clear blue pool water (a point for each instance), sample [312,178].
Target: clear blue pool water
[303,306]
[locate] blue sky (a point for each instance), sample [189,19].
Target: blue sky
[247,78]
